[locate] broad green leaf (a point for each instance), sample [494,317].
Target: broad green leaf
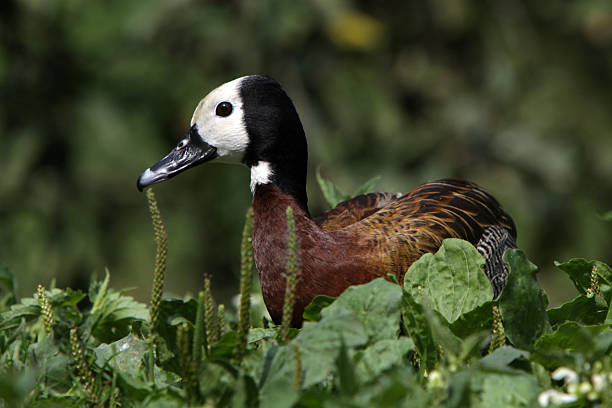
[245,393]
[419,330]
[259,333]
[500,359]
[452,278]
[579,270]
[216,380]
[163,400]
[582,309]
[312,312]
[319,343]
[112,313]
[347,379]
[28,309]
[332,194]
[566,343]
[459,389]
[115,316]
[225,347]
[375,304]
[52,365]
[506,390]
[383,355]
[126,356]
[278,376]
[440,329]
[522,302]
[474,321]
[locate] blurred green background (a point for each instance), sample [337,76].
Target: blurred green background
[514,95]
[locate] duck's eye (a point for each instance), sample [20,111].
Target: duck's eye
[224,109]
[182,144]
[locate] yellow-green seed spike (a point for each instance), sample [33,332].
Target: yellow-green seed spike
[221,319]
[46,311]
[246,283]
[291,278]
[595,280]
[499,335]
[161,241]
[212,327]
[85,375]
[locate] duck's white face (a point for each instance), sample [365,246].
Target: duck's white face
[219,120]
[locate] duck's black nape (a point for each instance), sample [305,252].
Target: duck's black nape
[276,135]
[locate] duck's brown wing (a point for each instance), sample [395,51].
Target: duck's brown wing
[417,223]
[356,209]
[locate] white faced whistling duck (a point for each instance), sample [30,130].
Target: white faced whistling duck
[252,119]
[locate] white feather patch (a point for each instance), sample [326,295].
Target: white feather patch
[228,134]
[261,173]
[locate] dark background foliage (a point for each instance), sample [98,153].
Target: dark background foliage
[514,95]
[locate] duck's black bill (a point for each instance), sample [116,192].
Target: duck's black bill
[190,152]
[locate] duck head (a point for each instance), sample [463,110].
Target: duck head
[251,120]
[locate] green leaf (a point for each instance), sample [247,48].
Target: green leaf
[28,309]
[225,347]
[564,345]
[500,359]
[383,355]
[474,321]
[452,278]
[522,302]
[375,304]
[366,187]
[584,310]
[419,330]
[319,343]
[52,365]
[332,194]
[276,385]
[506,391]
[579,270]
[245,393]
[259,333]
[112,313]
[347,379]
[459,389]
[312,312]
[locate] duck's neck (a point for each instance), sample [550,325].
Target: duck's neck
[270,246]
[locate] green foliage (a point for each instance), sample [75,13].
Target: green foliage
[452,278]
[522,302]
[377,344]
[333,195]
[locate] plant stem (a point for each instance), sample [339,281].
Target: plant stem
[199,334]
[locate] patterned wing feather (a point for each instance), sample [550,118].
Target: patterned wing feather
[356,209]
[416,223]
